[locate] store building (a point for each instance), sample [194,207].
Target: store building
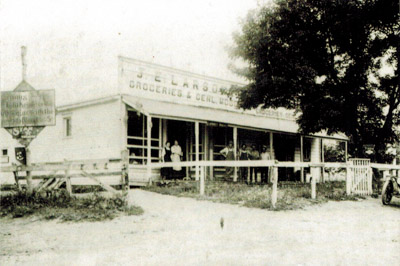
[157,103]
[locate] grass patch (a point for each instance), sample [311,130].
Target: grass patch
[60,205]
[291,195]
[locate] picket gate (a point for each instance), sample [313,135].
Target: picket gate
[361,176]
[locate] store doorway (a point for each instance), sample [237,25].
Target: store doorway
[179,130]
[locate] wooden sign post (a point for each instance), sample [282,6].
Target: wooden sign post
[25,112]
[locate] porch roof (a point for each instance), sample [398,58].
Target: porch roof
[171,110]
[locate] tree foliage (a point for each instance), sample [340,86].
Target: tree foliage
[325,59]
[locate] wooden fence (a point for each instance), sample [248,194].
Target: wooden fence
[93,169]
[54,175]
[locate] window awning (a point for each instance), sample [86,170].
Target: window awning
[177,111]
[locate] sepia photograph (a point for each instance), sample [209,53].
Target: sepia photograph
[200,132]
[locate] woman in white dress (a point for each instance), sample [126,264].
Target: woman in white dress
[176,153]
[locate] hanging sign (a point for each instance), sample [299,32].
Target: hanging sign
[369,149]
[20,155]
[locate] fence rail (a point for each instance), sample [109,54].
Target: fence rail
[58,173]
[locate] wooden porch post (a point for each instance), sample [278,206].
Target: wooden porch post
[345,151]
[164,132]
[124,142]
[160,139]
[235,139]
[322,160]
[149,149]
[271,145]
[196,134]
[123,124]
[206,147]
[211,139]
[302,158]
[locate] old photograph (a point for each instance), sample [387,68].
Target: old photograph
[200,132]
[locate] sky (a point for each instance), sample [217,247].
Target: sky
[72,46]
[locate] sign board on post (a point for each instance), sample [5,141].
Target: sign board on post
[26,111]
[27,108]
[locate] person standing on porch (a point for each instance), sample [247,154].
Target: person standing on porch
[176,153]
[264,170]
[229,154]
[166,157]
[254,155]
[243,155]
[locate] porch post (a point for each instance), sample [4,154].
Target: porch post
[302,158]
[322,160]
[205,147]
[196,134]
[271,145]
[160,139]
[123,124]
[345,151]
[211,139]
[149,148]
[164,131]
[235,139]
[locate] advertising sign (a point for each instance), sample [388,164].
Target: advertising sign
[156,82]
[27,108]
[20,155]
[26,111]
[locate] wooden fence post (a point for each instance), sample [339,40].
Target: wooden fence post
[274,194]
[313,185]
[348,179]
[17,180]
[28,173]
[202,184]
[68,184]
[124,170]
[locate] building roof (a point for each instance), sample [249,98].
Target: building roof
[171,110]
[186,112]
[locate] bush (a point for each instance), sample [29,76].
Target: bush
[60,205]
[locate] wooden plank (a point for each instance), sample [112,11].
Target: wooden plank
[17,180]
[202,182]
[68,184]
[149,126]
[47,182]
[124,170]
[60,182]
[41,185]
[28,176]
[197,148]
[313,186]
[61,166]
[54,184]
[274,194]
[105,186]
[301,158]
[348,180]
[235,148]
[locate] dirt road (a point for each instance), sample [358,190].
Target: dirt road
[182,231]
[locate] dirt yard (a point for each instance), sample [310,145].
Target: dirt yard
[183,231]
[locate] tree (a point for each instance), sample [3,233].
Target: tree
[324,59]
